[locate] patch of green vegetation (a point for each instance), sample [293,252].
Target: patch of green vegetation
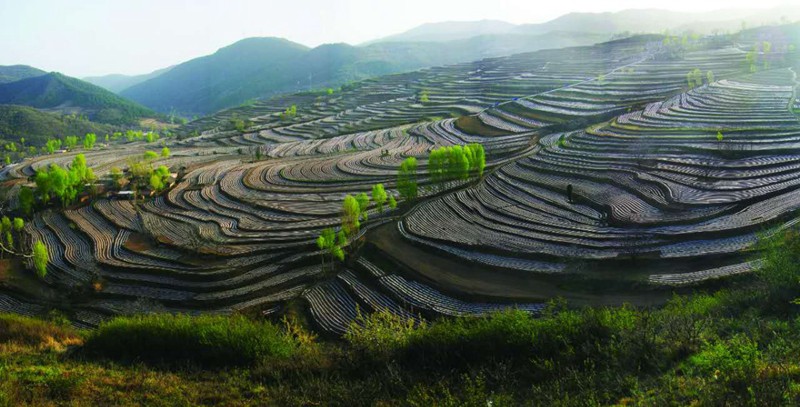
[734,346]
[37,126]
[179,339]
[53,90]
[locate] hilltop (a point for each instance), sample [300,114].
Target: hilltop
[13,73]
[59,93]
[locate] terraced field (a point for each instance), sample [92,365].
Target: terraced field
[650,180]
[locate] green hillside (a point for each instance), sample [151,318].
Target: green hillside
[64,94]
[117,82]
[263,67]
[37,126]
[13,73]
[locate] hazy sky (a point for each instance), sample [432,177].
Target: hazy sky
[96,37]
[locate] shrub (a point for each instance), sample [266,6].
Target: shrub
[180,339]
[380,333]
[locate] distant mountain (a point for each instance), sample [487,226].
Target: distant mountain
[37,126]
[60,93]
[13,73]
[449,31]
[262,67]
[117,82]
[233,74]
[657,21]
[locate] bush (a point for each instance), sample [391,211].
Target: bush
[734,361]
[180,339]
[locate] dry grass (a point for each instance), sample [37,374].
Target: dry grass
[17,331]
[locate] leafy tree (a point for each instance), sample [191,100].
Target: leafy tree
[710,77]
[289,113]
[150,155]
[26,201]
[407,178]
[351,212]
[165,152]
[40,258]
[694,78]
[52,145]
[423,97]
[70,142]
[363,204]
[18,224]
[456,162]
[151,137]
[379,196]
[392,202]
[89,141]
[155,183]
[338,253]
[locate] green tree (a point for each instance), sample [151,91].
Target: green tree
[155,183]
[392,202]
[26,201]
[89,141]
[363,204]
[326,242]
[18,224]
[165,152]
[40,258]
[351,212]
[70,142]
[150,155]
[52,145]
[710,77]
[407,178]
[423,96]
[379,196]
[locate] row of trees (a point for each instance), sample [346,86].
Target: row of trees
[142,175]
[12,243]
[11,231]
[289,113]
[695,78]
[354,211]
[63,183]
[456,162]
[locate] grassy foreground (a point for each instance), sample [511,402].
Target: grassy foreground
[739,345]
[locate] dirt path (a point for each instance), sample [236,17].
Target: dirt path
[464,278]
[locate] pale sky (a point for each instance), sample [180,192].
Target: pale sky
[96,37]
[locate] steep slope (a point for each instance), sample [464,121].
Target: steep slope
[57,92]
[37,126]
[13,73]
[117,82]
